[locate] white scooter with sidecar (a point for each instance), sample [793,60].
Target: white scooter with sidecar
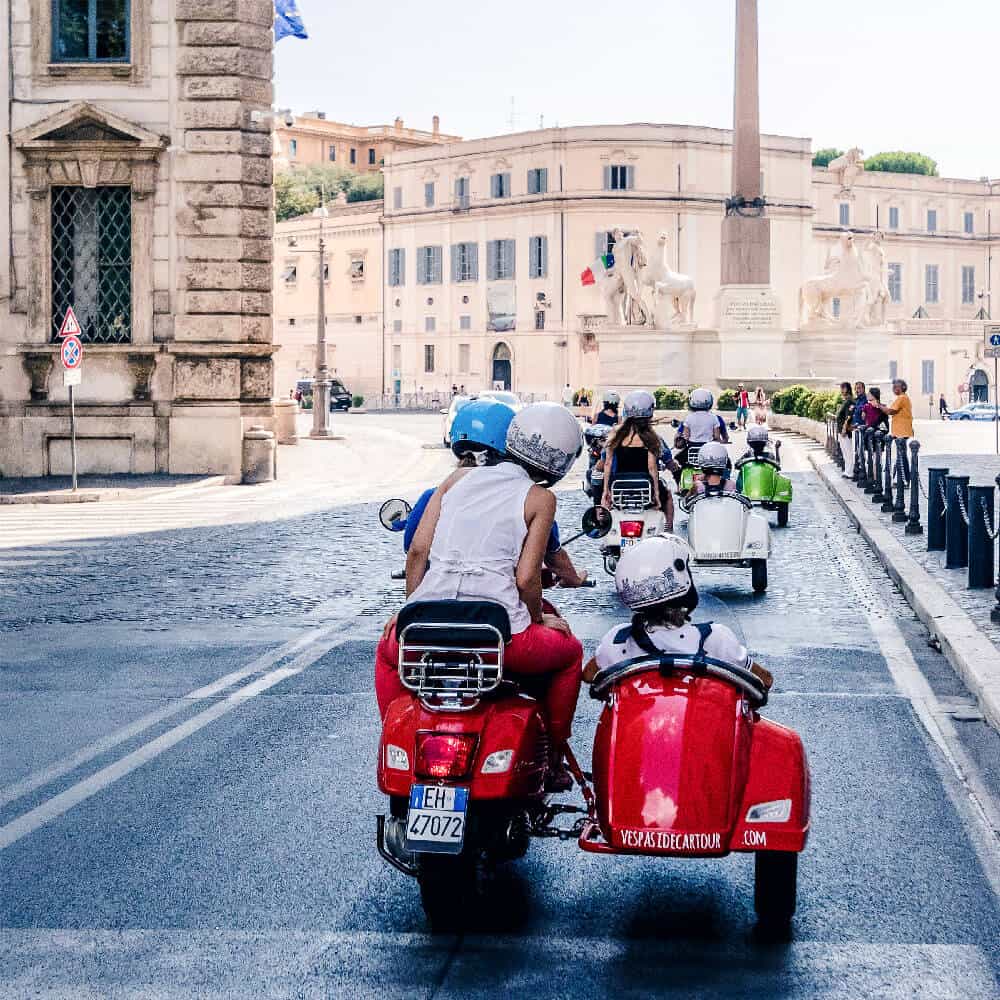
[633,518]
[724,530]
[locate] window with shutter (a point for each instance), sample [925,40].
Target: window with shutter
[968,285]
[845,214]
[931,284]
[538,257]
[421,266]
[397,327]
[465,322]
[893,217]
[896,282]
[629,178]
[927,377]
[600,244]
[464,352]
[397,197]
[437,269]
[428,358]
[970,223]
[462,192]
[543,180]
[932,220]
[430,324]
[607,178]
[500,186]
[429,194]
[893,370]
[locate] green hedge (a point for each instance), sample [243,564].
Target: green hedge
[670,399]
[358,401]
[785,400]
[727,400]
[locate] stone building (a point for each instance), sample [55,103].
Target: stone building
[138,180]
[352,235]
[314,139]
[485,241]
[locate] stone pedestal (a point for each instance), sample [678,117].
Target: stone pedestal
[846,353]
[752,341]
[636,357]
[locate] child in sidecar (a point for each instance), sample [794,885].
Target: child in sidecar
[713,460]
[654,580]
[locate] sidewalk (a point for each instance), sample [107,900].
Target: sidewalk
[959,618]
[58,489]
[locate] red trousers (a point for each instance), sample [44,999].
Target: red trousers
[537,653]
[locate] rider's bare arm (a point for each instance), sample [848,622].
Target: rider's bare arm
[539,513]
[561,564]
[590,669]
[420,548]
[653,468]
[762,674]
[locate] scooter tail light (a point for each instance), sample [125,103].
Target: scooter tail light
[396,758]
[444,755]
[777,811]
[498,762]
[631,529]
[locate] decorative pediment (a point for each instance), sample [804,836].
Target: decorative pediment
[430,174]
[619,156]
[86,123]
[88,146]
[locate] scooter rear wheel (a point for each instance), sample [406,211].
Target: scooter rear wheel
[775,884]
[783,515]
[448,887]
[758,575]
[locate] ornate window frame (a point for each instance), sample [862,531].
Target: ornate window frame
[96,148]
[47,72]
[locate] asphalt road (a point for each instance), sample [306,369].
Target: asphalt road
[187,789]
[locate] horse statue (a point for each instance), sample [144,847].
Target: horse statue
[669,285]
[845,279]
[848,167]
[877,295]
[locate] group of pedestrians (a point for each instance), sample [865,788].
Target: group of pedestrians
[745,401]
[862,409]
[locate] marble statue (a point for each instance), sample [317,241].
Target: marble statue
[631,260]
[877,294]
[847,279]
[669,286]
[848,167]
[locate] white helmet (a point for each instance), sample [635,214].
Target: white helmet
[596,433]
[713,457]
[701,399]
[546,437]
[654,571]
[757,435]
[639,404]
[611,398]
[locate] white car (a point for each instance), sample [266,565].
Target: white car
[502,396]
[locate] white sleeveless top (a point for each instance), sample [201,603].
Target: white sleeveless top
[478,541]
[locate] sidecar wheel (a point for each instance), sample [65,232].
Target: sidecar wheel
[775,882]
[758,575]
[448,885]
[783,515]
[610,565]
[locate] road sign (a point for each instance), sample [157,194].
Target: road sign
[72,352]
[70,325]
[72,376]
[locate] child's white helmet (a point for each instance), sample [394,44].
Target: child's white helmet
[757,435]
[713,457]
[654,571]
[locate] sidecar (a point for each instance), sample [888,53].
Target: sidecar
[724,530]
[674,777]
[760,481]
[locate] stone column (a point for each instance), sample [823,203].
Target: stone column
[225,224]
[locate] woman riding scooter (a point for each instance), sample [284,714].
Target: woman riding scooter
[654,580]
[608,415]
[482,538]
[636,449]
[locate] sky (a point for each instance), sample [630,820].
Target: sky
[880,74]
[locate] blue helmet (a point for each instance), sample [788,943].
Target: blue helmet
[480,425]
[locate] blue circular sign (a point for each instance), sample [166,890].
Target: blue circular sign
[995,340]
[72,352]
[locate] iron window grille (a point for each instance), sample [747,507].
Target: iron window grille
[92,262]
[91,31]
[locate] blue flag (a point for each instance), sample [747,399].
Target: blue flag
[288,20]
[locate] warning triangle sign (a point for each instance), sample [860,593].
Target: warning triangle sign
[70,325]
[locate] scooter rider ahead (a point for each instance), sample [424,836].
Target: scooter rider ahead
[482,538]
[757,450]
[609,410]
[713,459]
[701,424]
[654,580]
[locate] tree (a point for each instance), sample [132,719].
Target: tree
[900,162]
[291,199]
[822,157]
[298,192]
[366,187]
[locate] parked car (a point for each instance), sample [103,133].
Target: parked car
[340,397]
[502,396]
[974,411]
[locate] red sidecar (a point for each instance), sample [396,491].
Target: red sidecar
[684,766]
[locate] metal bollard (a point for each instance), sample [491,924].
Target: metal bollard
[878,495]
[859,459]
[866,433]
[887,505]
[935,509]
[899,507]
[956,530]
[980,543]
[913,525]
[995,613]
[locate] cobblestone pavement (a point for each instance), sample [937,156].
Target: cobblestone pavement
[187,787]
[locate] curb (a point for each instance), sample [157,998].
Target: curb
[9,499]
[973,656]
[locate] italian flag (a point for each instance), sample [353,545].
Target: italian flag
[598,269]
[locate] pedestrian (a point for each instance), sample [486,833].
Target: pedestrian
[943,410]
[760,405]
[843,418]
[461,389]
[860,402]
[567,396]
[872,412]
[900,415]
[454,390]
[742,406]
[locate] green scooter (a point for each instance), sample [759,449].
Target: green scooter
[760,480]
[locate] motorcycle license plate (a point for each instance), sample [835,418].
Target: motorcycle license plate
[628,543]
[435,823]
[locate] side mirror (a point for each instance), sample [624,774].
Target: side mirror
[674,422]
[597,522]
[732,425]
[393,514]
[443,413]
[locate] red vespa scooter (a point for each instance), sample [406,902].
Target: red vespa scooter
[464,754]
[684,766]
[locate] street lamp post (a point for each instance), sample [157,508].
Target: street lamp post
[321,380]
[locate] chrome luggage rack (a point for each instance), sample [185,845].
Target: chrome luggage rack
[450,666]
[631,495]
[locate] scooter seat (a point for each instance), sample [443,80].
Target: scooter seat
[442,622]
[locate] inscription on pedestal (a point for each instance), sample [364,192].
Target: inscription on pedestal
[752,314]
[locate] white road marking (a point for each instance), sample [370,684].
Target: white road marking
[58,805]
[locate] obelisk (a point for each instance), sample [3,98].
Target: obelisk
[746,230]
